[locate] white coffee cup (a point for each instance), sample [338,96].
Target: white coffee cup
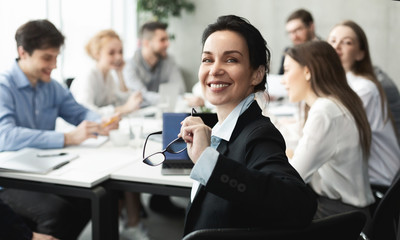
[119,138]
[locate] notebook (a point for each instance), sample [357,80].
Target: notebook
[32,160]
[179,164]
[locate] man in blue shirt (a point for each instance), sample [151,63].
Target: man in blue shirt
[30,102]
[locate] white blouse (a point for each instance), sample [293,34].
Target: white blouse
[329,156]
[384,161]
[98,93]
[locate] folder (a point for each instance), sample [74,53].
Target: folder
[32,160]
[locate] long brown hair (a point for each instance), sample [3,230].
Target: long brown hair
[364,66]
[328,79]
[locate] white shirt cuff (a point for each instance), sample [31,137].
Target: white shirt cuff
[204,166]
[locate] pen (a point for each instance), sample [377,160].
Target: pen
[51,154]
[113,119]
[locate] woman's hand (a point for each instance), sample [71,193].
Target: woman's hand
[133,102]
[39,236]
[197,136]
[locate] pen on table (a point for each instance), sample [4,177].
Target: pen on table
[113,119]
[51,154]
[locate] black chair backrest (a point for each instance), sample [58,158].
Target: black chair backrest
[385,221]
[345,226]
[68,82]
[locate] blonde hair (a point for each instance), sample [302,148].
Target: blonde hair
[95,44]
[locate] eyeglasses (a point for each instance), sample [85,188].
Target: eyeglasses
[176,146]
[296,30]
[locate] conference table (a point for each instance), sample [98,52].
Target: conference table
[81,178]
[97,174]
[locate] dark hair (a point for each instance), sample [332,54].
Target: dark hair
[38,34]
[328,79]
[148,29]
[302,14]
[364,67]
[259,54]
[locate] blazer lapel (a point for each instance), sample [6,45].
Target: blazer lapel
[223,147]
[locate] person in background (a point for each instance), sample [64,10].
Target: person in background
[350,43]
[96,88]
[332,154]
[196,99]
[13,227]
[151,66]
[242,176]
[30,102]
[300,28]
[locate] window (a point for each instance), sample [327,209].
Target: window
[78,20]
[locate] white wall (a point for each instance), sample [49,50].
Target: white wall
[380,19]
[80,19]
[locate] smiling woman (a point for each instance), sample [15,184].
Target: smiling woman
[243,178]
[225,72]
[96,87]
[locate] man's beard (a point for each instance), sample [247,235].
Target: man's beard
[309,36]
[160,54]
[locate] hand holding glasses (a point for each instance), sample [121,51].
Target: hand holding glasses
[176,146]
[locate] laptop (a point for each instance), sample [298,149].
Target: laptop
[179,164]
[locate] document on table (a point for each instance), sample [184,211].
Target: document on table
[94,142]
[32,160]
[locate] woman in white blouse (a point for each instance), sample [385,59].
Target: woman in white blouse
[350,43]
[99,91]
[332,153]
[97,88]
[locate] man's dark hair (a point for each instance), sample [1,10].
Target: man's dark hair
[148,29]
[38,34]
[259,54]
[302,14]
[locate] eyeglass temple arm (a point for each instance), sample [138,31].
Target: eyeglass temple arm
[193,112]
[145,142]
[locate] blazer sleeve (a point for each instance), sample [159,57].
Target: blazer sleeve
[254,172]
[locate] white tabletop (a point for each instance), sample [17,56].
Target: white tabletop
[140,172]
[93,166]
[97,164]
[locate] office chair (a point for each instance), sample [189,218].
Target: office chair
[344,226]
[385,219]
[378,191]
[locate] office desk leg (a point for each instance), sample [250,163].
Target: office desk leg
[104,214]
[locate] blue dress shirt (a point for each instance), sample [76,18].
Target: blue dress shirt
[28,114]
[204,166]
